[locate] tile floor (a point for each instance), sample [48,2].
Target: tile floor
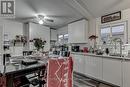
[80,81]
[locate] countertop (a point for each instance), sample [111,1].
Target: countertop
[17,67]
[103,56]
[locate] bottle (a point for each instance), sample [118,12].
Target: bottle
[107,51]
[91,50]
[128,53]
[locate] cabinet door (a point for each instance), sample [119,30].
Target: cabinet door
[75,60]
[71,33]
[78,32]
[81,66]
[79,63]
[93,67]
[126,74]
[112,71]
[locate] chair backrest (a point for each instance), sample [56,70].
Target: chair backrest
[6,58]
[60,72]
[2,81]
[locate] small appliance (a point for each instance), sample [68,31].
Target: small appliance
[75,48]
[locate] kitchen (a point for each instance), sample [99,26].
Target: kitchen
[95,34]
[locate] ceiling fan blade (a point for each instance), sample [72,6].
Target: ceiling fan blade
[56,16]
[50,20]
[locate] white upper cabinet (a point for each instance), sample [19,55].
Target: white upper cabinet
[78,32]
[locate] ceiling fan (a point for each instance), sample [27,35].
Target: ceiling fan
[39,19]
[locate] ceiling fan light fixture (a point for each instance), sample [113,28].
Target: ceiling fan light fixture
[41,22]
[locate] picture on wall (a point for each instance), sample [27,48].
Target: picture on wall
[111,17]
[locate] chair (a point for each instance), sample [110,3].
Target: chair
[6,58]
[2,81]
[59,73]
[26,53]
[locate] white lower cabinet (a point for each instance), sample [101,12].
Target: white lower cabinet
[126,74]
[112,71]
[81,66]
[93,67]
[78,63]
[106,69]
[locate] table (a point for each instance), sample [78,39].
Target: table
[11,71]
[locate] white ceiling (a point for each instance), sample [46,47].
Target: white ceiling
[66,11]
[101,7]
[61,11]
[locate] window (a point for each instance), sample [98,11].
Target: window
[60,38]
[114,31]
[105,33]
[118,32]
[63,39]
[66,36]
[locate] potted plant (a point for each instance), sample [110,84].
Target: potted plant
[39,43]
[93,43]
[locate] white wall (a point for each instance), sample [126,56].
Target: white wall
[53,34]
[26,33]
[92,27]
[63,30]
[13,28]
[39,31]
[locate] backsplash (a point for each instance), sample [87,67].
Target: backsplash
[81,45]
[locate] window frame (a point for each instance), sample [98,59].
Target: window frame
[63,37]
[125,23]
[102,28]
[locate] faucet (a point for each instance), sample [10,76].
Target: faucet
[119,40]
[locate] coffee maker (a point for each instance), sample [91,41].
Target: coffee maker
[75,48]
